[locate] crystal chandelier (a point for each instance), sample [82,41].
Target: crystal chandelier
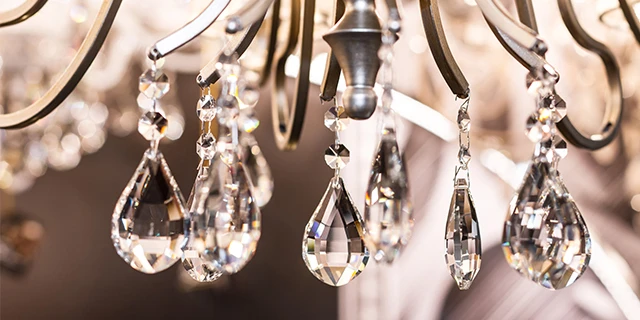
[215,230]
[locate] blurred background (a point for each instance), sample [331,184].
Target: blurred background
[60,178]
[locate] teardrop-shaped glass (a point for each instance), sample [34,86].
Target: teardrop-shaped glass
[463,248]
[199,268]
[148,222]
[258,169]
[232,221]
[388,210]
[545,237]
[333,246]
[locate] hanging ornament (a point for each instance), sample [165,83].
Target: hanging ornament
[148,220]
[463,249]
[388,210]
[333,245]
[545,237]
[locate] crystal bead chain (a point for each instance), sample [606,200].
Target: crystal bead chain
[464,126]
[337,155]
[153,84]
[206,111]
[386,56]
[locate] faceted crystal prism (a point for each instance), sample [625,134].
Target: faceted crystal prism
[388,210]
[148,220]
[231,221]
[197,267]
[206,146]
[336,156]
[206,108]
[258,169]
[545,238]
[463,249]
[154,84]
[333,247]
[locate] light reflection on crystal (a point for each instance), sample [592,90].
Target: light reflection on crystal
[545,237]
[333,246]
[463,248]
[148,220]
[257,167]
[388,210]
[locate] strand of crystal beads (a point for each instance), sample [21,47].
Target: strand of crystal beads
[463,248]
[388,210]
[231,220]
[545,237]
[333,247]
[148,221]
[197,267]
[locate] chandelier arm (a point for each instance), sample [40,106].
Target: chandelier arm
[332,70]
[21,13]
[631,17]
[271,45]
[235,47]
[71,75]
[189,31]
[248,15]
[614,106]
[440,49]
[288,122]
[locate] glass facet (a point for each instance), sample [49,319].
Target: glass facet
[257,168]
[333,246]
[153,83]
[148,220]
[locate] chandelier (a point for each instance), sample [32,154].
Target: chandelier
[215,230]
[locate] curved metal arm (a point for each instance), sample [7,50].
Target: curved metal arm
[287,123]
[236,46]
[23,12]
[249,14]
[71,76]
[440,49]
[613,113]
[498,16]
[271,45]
[189,31]
[332,70]
[631,17]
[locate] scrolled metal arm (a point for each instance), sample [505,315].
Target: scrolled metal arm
[20,13]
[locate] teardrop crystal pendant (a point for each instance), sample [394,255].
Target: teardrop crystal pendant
[198,267]
[148,221]
[333,247]
[257,167]
[545,237]
[462,235]
[231,224]
[388,211]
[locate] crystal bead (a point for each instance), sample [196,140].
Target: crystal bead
[247,120]
[206,108]
[248,95]
[388,210]
[464,122]
[148,220]
[145,103]
[152,125]
[258,169]
[463,249]
[198,267]
[336,119]
[154,84]
[229,110]
[545,238]
[464,157]
[333,248]
[336,156]
[232,219]
[206,146]
[560,107]
[537,131]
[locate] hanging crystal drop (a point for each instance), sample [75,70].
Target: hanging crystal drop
[233,219]
[198,267]
[545,237]
[463,249]
[333,246]
[388,211]
[258,169]
[148,221]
